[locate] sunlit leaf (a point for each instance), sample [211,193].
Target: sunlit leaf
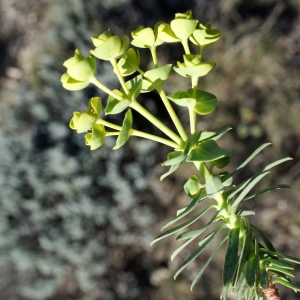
[125,132]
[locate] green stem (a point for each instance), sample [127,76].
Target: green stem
[172,113]
[154,56]
[112,133]
[192,114]
[102,87]
[186,46]
[145,113]
[140,71]
[137,133]
[203,169]
[120,77]
[154,138]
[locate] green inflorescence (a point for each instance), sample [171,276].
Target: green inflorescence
[250,266]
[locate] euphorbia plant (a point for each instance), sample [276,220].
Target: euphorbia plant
[252,266]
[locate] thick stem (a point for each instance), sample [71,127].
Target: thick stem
[272,293]
[186,46]
[172,113]
[145,113]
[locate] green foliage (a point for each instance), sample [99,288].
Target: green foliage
[249,266]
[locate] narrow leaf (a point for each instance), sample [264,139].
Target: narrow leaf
[231,257]
[246,191]
[281,270]
[278,263]
[171,170]
[287,284]
[285,257]
[198,251]
[264,238]
[192,233]
[187,210]
[245,252]
[277,187]
[182,226]
[248,160]
[207,263]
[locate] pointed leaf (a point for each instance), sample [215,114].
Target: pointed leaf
[231,257]
[198,251]
[264,238]
[207,263]
[172,169]
[115,106]
[125,131]
[180,227]
[96,105]
[278,263]
[206,151]
[187,210]
[281,270]
[287,284]
[277,187]
[175,157]
[196,232]
[248,159]
[282,256]
[246,190]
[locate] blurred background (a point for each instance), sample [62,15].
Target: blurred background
[76,224]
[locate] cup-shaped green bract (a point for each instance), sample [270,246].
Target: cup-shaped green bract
[145,38]
[111,48]
[193,66]
[96,138]
[71,84]
[184,25]
[129,62]
[165,33]
[205,36]
[155,77]
[80,70]
[83,121]
[99,40]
